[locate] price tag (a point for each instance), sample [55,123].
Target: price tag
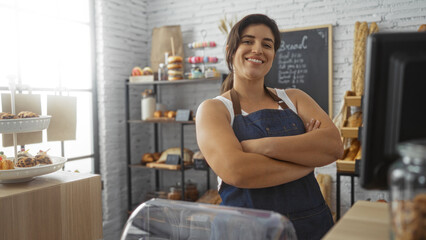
[173,159]
[183,115]
[200,164]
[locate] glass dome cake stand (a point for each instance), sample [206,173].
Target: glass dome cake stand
[159,219]
[26,125]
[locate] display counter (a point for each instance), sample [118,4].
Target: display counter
[365,220]
[60,205]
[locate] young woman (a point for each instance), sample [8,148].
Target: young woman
[264,143]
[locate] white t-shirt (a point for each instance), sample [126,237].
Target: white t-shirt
[228,103]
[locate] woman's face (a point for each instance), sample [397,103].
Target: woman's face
[255,53]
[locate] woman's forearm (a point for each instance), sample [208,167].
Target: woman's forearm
[251,170]
[314,149]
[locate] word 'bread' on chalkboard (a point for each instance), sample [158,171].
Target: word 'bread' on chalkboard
[304,61]
[173,159]
[183,115]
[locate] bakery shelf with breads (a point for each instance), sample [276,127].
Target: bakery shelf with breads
[157,160]
[349,130]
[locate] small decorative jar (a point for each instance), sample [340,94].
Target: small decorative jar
[175,193]
[191,192]
[407,182]
[148,104]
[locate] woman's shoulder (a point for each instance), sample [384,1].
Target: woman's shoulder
[216,104]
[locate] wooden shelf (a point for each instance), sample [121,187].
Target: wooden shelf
[349,132]
[345,166]
[160,166]
[161,120]
[352,100]
[183,81]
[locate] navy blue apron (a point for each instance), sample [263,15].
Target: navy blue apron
[301,200]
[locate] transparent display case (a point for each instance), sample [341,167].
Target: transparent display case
[167,219]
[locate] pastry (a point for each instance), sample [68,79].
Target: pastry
[175,68]
[147,157]
[26,162]
[7,116]
[175,74]
[174,59]
[156,156]
[42,158]
[158,114]
[27,114]
[147,71]
[187,154]
[23,153]
[6,164]
[171,114]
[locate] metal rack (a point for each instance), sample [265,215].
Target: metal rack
[182,124]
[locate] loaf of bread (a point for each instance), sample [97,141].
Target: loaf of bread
[353,150]
[147,157]
[324,181]
[156,156]
[359,154]
[355,120]
[211,197]
[187,154]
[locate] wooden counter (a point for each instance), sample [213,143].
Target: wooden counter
[364,220]
[60,205]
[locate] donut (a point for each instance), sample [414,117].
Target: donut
[174,59]
[174,66]
[175,73]
[172,78]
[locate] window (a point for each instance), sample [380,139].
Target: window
[46,47]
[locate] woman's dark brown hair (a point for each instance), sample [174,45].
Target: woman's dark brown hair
[234,39]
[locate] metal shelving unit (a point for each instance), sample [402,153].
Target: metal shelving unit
[156,123]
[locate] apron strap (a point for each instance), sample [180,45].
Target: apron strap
[276,98]
[236,101]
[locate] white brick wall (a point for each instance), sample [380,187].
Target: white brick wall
[123,31]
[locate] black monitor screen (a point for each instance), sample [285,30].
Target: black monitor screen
[394,105]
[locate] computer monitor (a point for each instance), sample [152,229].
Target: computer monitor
[394,102]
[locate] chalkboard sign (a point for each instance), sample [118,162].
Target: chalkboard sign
[304,61]
[173,159]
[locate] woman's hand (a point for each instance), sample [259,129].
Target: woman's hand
[254,146]
[312,125]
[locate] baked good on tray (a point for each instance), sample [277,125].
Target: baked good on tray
[42,158]
[23,153]
[27,114]
[5,115]
[5,163]
[26,162]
